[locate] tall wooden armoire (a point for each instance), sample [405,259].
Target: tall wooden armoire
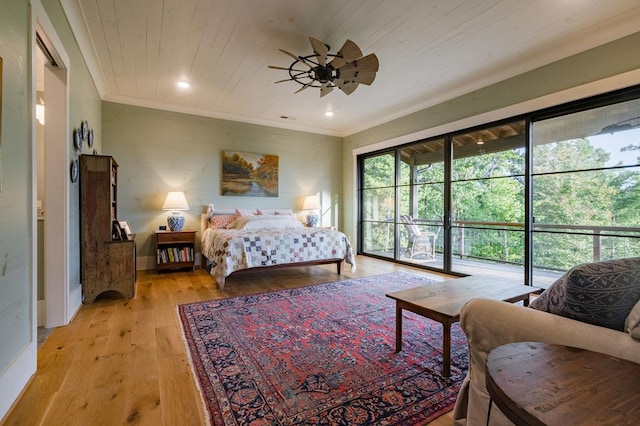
[107,258]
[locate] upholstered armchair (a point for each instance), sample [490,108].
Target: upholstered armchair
[595,306]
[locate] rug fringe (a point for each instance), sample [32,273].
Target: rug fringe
[207,416]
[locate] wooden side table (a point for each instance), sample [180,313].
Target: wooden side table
[543,384]
[175,250]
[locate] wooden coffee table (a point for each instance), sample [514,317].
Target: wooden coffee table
[544,384]
[442,302]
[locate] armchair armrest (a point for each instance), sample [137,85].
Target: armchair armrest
[490,323]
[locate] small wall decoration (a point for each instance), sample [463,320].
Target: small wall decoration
[77,139]
[74,171]
[249,175]
[85,130]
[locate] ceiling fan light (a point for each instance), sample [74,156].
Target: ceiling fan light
[346,70]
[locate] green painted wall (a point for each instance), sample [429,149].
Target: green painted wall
[17,214]
[160,151]
[15,176]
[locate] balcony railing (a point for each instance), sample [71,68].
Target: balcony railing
[556,247]
[504,242]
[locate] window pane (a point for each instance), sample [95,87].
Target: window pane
[589,198]
[586,188]
[600,137]
[377,238]
[422,199]
[487,201]
[379,171]
[492,152]
[422,162]
[378,204]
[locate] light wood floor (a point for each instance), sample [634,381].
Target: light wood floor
[123,361]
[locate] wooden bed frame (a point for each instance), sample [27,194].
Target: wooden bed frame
[204,224]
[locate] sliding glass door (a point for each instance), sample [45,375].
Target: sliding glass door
[586,188]
[525,199]
[488,201]
[421,198]
[378,203]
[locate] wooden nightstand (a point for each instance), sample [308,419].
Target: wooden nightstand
[175,250]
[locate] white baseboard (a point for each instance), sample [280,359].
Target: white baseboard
[17,376]
[75,301]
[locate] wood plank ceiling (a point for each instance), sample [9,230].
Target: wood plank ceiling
[429,51]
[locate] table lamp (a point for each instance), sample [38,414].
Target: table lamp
[175,202]
[311,203]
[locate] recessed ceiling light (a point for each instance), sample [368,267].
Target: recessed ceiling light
[328,114]
[183,84]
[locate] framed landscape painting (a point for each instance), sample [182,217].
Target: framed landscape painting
[249,175]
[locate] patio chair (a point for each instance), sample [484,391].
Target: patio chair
[420,243]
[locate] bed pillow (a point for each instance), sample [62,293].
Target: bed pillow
[244,212]
[265,222]
[275,212]
[222,220]
[598,293]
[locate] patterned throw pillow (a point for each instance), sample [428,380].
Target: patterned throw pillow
[222,220]
[599,293]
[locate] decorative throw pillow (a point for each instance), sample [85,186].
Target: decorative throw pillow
[243,212]
[221,220]
[632,324]
[599,293]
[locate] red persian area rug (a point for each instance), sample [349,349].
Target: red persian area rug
[321,355]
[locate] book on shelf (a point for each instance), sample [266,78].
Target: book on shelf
[175,254]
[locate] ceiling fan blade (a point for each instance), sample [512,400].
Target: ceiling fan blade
[325,89]
[297,58]
[347,53]
[359,77]
[282,81]
[320,49]
[348,87]
[274,67]
[367,64]
[303,87]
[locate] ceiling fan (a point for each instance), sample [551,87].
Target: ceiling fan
[344,70]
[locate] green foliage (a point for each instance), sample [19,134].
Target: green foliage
[571,185]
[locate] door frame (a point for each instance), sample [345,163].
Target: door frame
[58,300]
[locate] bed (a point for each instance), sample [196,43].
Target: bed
[242,240]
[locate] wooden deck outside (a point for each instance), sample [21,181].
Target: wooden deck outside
[541,278]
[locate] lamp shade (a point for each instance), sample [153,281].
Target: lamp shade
[311,202]
[175,201]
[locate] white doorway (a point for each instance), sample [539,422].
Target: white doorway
[50,173]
